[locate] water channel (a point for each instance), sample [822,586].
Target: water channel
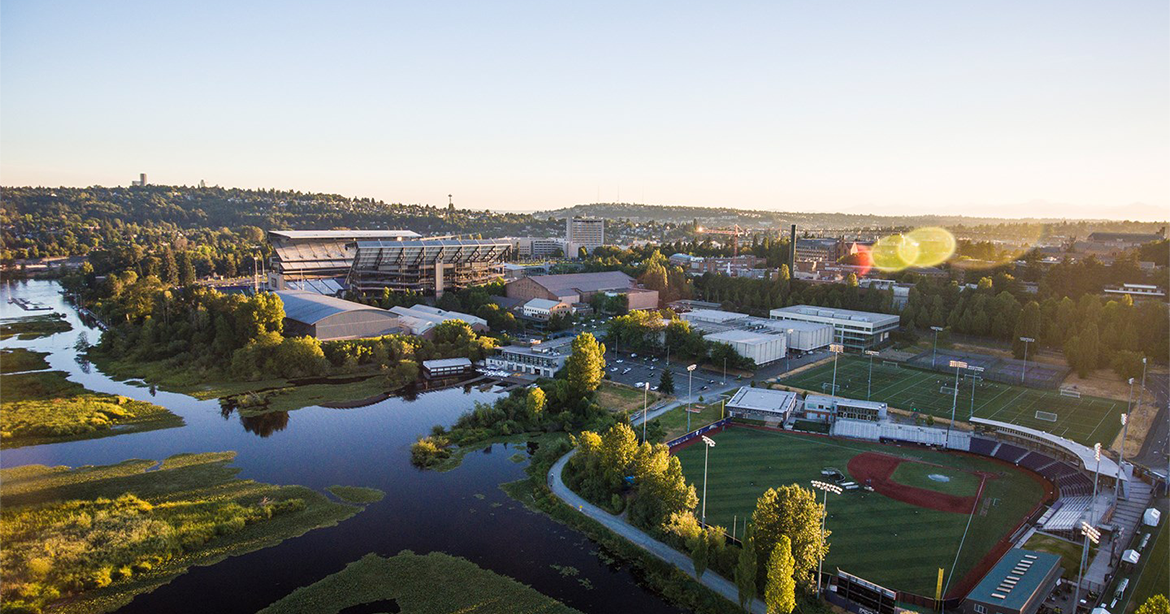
[462,512]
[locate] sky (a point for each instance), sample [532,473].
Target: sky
[989,107]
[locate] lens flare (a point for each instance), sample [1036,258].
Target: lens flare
[863,259]
[935,245]
[894,253]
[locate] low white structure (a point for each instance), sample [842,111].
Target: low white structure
[761,347]
[826,408]
[421,319]
[1151,517]
[711,316]
[446,367]
[805,336]
[762,404]
[856,330]
[544,309]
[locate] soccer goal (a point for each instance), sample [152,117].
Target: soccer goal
[1046,416]
[946,390]
[1070,392]
[890,363]
[830,387]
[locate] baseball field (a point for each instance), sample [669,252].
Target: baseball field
[914,522]
[1087,420]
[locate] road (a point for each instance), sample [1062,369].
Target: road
[618,525]
[1157,443]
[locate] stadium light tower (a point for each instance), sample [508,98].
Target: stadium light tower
[1091,534]
[934,353]
[690,372]
[976,371]
[645,408]
[836,349]
[1120,461]
[828,488]
[957,364]
[869,386]
[706,452]
[1142,388]
[1024,371]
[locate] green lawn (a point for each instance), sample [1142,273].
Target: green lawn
[1155,578]
[20,359]
[620,399]
[885,541]
[947,480]
[120,530]
[434,583]
[1087,420]
[1069,552]
[674,422]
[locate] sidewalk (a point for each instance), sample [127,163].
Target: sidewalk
[710,579]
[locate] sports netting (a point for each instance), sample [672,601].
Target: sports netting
[996,369]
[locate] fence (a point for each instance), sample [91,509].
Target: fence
[717,425]
[996,369]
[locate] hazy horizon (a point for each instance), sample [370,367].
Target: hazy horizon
[1002,110]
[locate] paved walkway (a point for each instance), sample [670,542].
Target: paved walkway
[710,579]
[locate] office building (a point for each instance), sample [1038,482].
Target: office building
[761,404]
[539,359]
[587,232]
[536,248]
[856,330]
[820,250]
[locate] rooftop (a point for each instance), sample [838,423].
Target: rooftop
[343,234]
[446,362]
[541,303]
[584,282]
[839,314]
[436,315]
[762,399]
[713,315]
[743,336]
[310,307]
[1085,453]
[1014,579]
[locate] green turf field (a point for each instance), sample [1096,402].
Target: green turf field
[1155,576]
[1087,420]
[947,480]
[889,542]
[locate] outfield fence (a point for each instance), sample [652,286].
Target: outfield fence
[718,425]
[996,369]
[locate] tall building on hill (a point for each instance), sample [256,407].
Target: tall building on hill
[587,232]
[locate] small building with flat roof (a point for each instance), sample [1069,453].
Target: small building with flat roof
[856,330]
[828,408]
[762,404]
[446,367]
[761,347]
[328,318]
[1018,584]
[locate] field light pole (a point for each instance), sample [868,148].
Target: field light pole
[976,371]
[706,452]
[836,349]
[1142,388]
[1121,461]
[645,408]
[934,353]
[957,364]
[690,372]
[1024,371]
[869,386]
[1091,533]
[828,488]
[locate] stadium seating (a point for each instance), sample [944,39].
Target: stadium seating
[1009,453]
[981,446]
[1067,513]
[1034,461]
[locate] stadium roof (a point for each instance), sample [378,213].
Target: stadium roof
[1125,236]
[583,282]
[1014,579]
[373,253]
[1083,452]
[344,234]
[310,307]
[763,400]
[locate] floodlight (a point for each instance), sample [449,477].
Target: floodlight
[647,386]
[937,329]
[707,440]
[1027,340]
[836,347]
[1091,532]
[1097,451]
[827,487]
[1124,419]
[958,364]
[692,367]
[871,353]
[1131,381]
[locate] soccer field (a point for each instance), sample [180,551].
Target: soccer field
[1087,420]
[896,544]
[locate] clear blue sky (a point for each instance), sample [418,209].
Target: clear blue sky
[986,107]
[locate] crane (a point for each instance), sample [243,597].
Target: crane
[736,233]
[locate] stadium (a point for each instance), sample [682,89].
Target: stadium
[914,499]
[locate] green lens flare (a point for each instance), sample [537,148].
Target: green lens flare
[935,245]
[894,253]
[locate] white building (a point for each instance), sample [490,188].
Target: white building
[542,359]
[587,232]
[856,330]
[805,336]
[524,248]
[420,319]
[762,404]
[761,347]
[711,316]
[544,309]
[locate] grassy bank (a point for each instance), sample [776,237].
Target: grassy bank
[1069,552]
[20,359]
[249,397]
[1155,575]
[674,422]
[434,583]
[33,327]
[623,399]
[120,530]
[357,494]
[44,407]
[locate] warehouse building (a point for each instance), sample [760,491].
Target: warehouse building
[300,255]
[1018,584]
[581,287]
[762,404]
[419,320]
[804,336]
[801,336]
[761,347]
[856,330]
[428,266]
[328,318]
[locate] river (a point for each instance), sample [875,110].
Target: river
[461,512]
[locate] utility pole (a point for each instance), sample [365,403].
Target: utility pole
[869,386]
[976,371]
[957,364]
[706,453]
[690,371]
[1024,372]
[836,349]
[934,352]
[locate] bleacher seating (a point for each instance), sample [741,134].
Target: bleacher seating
[1067,513]
[1074,484]
[1009,453]
[982,446]
[1034,460]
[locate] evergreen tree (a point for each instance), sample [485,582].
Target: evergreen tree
[745,571]
[666,381]
[586,364]
[699,554]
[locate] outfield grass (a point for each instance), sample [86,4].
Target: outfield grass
[889,542]
[434,583]
[674,422]
[21,359]
[120,530]
[959,483]
[1087,420]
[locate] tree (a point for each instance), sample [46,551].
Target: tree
[1157,604]
[536,401]
[699,553]
[1127,364]
[780,591]
[666,381]
[792,511]
[745,571]
[586,364]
